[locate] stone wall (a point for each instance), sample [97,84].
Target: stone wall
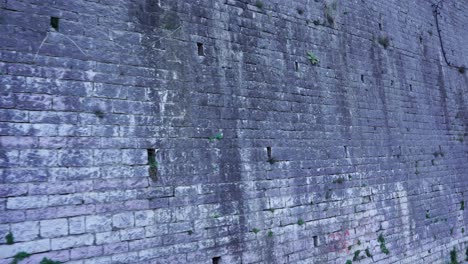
[233,131]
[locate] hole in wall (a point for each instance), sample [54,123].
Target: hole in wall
[296,66]
[152,164]
[200,49]
[380,26]
[315,241]
[270,158]
[411,87]
[420,39]
[216,260]
[362,77]
[54,23]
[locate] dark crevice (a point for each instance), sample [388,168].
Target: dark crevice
[153,164]
[54,23]
[270,158]
[201,52]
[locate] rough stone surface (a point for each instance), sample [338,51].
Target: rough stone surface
[174,131]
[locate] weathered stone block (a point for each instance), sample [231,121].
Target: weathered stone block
[54,228]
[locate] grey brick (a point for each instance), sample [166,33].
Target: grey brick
[132,233]
[107,237]
[144,218]
[67,103]
[38,158]
[31,247]
[86,252]
[54,228]
[24,175]
[25,231]
[11,115]
[77,225]
[123,220]
[98,223]
[33,102]
[76,158]
[17,142]
[27,202]
[134,156]
[53,117]
[71,241]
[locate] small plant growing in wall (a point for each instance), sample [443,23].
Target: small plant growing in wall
[99,113]
[270,233]
[255,230]
[49,261]
[312,58]
[383,247]
[349,262]
[10,240]
[259,4]
[384,42]
[453,256]
[152,164]
[462,205]
[329,14]
[368,254]
[356,255]
[300,222]
[462,69]
[340,180]
[19,257]
[218,136]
